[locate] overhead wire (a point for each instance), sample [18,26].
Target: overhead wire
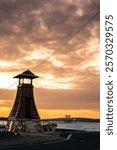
[60,47]
[3,91]
[66,41]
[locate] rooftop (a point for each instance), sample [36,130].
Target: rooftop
[26,74]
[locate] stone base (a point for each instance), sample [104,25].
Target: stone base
[21,126]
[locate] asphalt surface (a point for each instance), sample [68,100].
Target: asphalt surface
[70,141]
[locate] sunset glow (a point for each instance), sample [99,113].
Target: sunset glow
[30,32]
[48,113]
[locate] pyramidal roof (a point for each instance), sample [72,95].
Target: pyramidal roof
[26,74]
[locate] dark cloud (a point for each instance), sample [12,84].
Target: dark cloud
[28,26]
[43,21]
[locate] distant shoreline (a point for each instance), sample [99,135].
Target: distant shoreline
[62,119]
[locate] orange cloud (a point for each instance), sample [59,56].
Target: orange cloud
[30,31]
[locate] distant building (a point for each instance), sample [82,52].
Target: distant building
[68,119]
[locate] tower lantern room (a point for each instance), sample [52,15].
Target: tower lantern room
[26,77]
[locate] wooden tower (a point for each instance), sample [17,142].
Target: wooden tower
[24,116]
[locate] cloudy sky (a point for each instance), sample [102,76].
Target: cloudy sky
[30,31]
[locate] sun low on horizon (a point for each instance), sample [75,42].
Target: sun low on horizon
[33,36]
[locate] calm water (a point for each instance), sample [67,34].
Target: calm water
[87,126]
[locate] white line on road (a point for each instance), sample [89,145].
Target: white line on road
[68,138]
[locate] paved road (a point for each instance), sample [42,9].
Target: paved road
[78,141]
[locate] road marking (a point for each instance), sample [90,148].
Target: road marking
[68,138]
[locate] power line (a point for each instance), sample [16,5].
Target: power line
[62,45]
[66,41]
[3,91]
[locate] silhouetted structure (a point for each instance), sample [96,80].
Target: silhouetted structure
[67,118]
[24,116]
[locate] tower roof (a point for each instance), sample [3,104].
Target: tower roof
[26,74]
